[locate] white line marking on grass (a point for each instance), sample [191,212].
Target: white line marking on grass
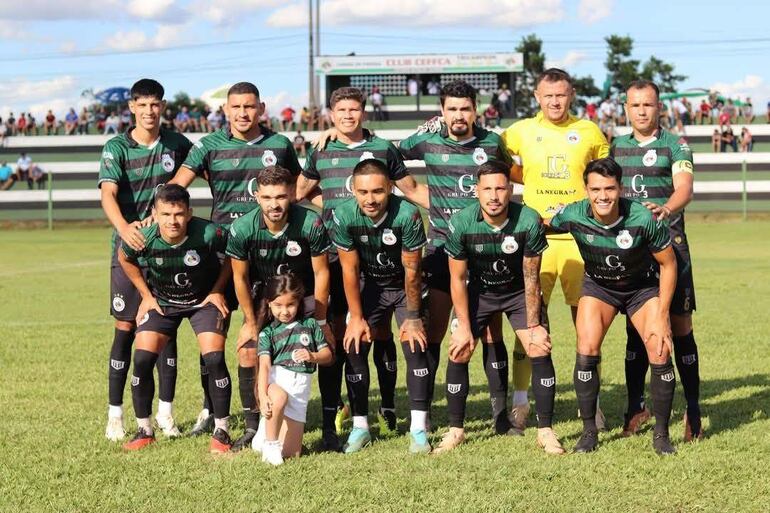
[53,267]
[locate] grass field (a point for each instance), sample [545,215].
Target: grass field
[55,334]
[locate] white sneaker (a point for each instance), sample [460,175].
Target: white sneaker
[203,424]
[115,431]
[271,453]
[167,425]
[259,439]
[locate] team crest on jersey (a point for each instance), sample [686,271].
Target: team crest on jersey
[453,388]
[335,161]
[480,156]
[445,157]
[159,260]
[263,252]
[650,158]
[479,248]
[222,383]
[388,237]
[573,137]
[590,237]
[293,248]
[118,304]
[668,377]
[191,258]
[167,162]
[364,238]
[366,155]
[548,382]
[509,245]
[624,239]
[269,158]
[304,339]
[420,373]
[585,376]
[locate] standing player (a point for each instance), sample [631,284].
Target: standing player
[133,165]
[658,171]
[230,160]
[185,280]
[278,237]
[449,155]
[380,238]
[494,250]
[620,241]
[550,152]
[331,169]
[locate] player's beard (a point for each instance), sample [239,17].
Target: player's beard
[460,130]
[502,210]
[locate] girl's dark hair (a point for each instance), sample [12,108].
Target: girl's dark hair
[281,284]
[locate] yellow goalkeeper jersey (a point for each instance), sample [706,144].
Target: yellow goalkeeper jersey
[553,158]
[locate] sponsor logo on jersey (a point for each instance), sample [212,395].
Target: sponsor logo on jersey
[159,260]
[293,248]
[638,187]
[590,237]
[689,359]
[548,382]
[557,168]
[134,381]
[585,376]
[624,239]
[499,266]
[391,366]
[668,377]
[650,158]
[420,373]
[445,157]
[354,378]
[304,339]
[222,383]
[613,262]
[235,162]
[191,258]
[118,304]
[364,238]
[509,245]
[335,161]
[181,279]
[453,388]
[499,365]
[388,237]
[167,162]
[479,248]
[384,260]
[117,364]
[573,137]
[366,155]
[269,158]
[465,184]
[480,156]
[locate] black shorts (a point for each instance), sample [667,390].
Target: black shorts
[205,319]
[379,303]
[435,267]
[683,302]
[338,303]
[627,302]
[125,299]
[482,306]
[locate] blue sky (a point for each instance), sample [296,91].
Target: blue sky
[53,50]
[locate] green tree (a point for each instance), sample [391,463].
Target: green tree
[534,63]
[662,73]
[585,88]
[621,68]
[182,99]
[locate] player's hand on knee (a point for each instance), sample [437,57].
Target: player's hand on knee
[357,330]
[660,335]
[247,333]
[413,331]
[538,339]
[462,342]
[324,137]
[147,304]
[132,236]
[218,300]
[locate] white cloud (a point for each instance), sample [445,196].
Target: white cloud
[230,12]
[751,86]
[165,36]
[87,9]
[149,9]
[10,29]
[591,11]
[68,46]
[37,96]
[276,102]
[570,59]
[507,13]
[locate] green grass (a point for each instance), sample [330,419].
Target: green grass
[55,334]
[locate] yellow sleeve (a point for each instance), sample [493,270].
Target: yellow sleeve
[512,141]
[601,146]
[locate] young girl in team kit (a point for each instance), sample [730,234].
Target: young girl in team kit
[290,348]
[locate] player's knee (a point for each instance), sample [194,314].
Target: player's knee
[278,396]
[588,346]
[536,351]
[144,361]
[681,325]
[463,357]
[247,357]
[125,325]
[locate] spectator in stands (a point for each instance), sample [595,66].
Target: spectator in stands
[125,120]
[112,123]
[70,122]
[433,87]
[491,116]
[299,145]
[49,124]
[679,110]
[412,86]
[215,119]
[728,139]
[167,120]
[36,177]
[83,120]
[747,141]
[23,165]
[21,125]
[716,141]
[3,131]
[204,121]
[287,118]
[663,115]
[748,112]
[504,101]
[182,120]
[607,118]
[724,117]
[378,100]
[703,115]
[731,111]
[101,118]
[11,124]
[264,120]
[195,119]
[305,121]
[7,176]
[32,128]
[767,116]
[591,111]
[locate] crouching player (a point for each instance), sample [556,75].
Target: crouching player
[620,241]
[290,347]
[495,245]
[184,281]
[380,236]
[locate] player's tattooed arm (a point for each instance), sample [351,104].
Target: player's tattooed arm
[305,186]
[412,329]
[532,292]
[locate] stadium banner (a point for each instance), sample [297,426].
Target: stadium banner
[416,64]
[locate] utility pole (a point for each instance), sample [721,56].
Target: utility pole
[317,86]
[310,71]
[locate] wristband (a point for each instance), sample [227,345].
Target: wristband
[412,315]
[321,322]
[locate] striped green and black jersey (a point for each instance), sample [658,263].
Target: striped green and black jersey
[616,256]
[279,341]
[231,166]
[451,171]
[649,168]
[495,255]
[184,273]
[288,251]
[138,170]
[379,245]
[333,168]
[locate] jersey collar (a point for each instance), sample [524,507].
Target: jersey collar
[263,224]
[642,144]
[496,229]
[622,211]
[540,118]
[263,130]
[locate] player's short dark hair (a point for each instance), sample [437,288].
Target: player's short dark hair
[347,93]
[274,175]
[281,284]
[458,89]
[172,193]
[554,75]
[492,167]
[643,84]
[147,87]
[605,167]
[243,88]
[371,167]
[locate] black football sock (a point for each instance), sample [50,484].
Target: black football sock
[166,365]
[586,380]
[120,361]
[496,368]
[330,385]
[434,355]
[205,384]
[662,385]
[417,377]
[219,383]
[636,365]
[543,388]
[457,385]
[384,355]
[357,379]
[143,382]
[247,376]
[689,373]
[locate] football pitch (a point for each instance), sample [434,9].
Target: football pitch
[55,334]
